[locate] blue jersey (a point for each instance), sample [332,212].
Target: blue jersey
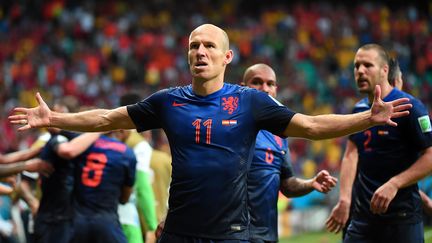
[270,164]
[102,171]
[212,141]
[56,201]
[385,151]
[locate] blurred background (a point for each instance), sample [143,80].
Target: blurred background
[98,50]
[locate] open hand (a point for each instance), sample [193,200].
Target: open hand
[383,112]
[338,217]
[32,117]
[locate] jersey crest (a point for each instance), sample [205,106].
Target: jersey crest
[230,104]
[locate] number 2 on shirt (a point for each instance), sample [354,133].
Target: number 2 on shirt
[368,135]
[96,162]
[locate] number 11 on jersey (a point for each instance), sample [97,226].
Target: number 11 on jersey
[207,124]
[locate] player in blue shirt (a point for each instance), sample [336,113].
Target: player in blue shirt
[104,176]
[271,168]
[387,204]
[54,216]
[211,127]
[339,218]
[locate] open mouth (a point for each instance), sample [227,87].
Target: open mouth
[200,64]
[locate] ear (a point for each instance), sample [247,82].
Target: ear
[385,70]
[228,57]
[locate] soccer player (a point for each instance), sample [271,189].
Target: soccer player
[340,216]
[211,127]
[53,220]
[142,195]
[389,161]
[104,176]
[271,168]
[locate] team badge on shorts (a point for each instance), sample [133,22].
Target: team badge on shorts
[425,123]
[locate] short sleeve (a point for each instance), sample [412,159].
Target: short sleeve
[270,114]
[146,113]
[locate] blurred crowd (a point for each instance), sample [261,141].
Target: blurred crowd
[98,50]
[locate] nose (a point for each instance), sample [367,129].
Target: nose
[361,69]
[201,50]
[265,88]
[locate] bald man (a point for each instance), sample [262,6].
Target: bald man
[271,168]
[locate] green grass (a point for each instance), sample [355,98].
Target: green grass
[326,237]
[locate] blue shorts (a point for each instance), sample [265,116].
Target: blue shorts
[97,230]
[175,238]
[60,231]
[364,232]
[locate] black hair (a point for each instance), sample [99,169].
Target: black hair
[394,71]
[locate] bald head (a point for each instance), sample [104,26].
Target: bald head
[211,28]
[261,77]
[260,67]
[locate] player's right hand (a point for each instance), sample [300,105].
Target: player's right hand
[338,217]
[32,117]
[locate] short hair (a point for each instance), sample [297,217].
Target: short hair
[394,71]
[129,99]
[382,53]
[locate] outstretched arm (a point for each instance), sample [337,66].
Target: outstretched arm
[332,125]
[340,213]
[19,155]
[86,121]
[295,187]
[385,193]
[77,145]
[32,165]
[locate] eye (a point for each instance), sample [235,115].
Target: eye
[193,46]
[271,84]
[255,82]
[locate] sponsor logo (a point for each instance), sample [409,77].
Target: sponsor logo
[425,123]
[175,104]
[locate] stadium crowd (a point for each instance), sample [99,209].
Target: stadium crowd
[97,51]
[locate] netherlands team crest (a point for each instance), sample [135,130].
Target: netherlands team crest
[230,104]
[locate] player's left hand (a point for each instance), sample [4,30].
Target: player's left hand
[324,182]
[383,112]
[382,197]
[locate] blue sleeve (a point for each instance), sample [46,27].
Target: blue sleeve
[419,126]
[145,114]
[270,114]
[50,148]
[130,168]
[286,166]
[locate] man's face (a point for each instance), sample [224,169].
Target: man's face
[368,70]
[262,79]
[208,53]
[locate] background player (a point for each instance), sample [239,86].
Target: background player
[388,164]
[53,220]
[142,196]
[271,168]
[104,176]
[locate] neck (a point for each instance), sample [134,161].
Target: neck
[204,88]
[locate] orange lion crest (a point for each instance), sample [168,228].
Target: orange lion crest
[230,104]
